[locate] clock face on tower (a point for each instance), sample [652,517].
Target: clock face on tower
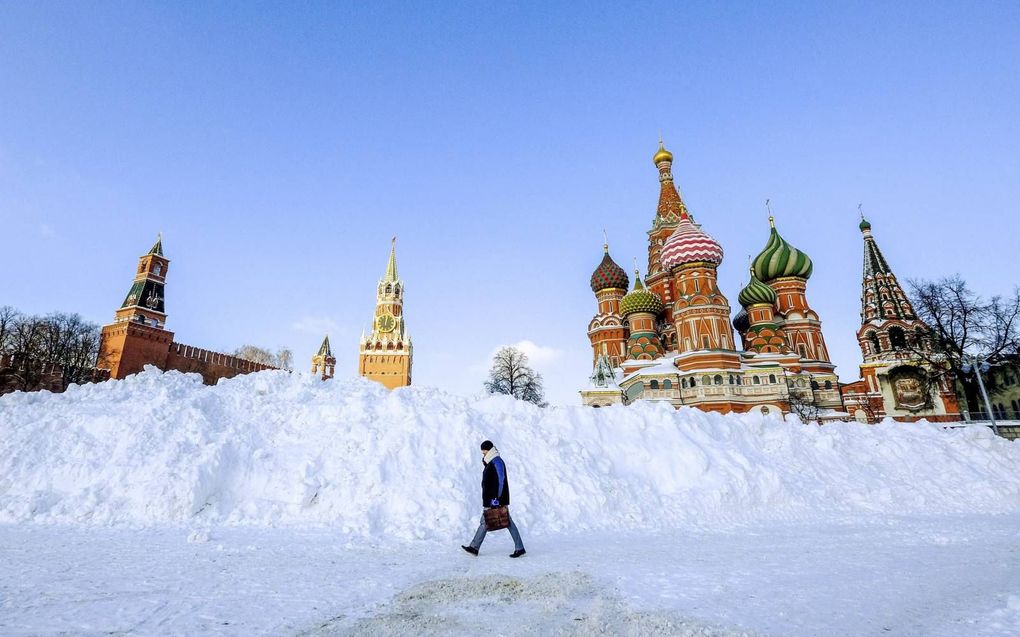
[386,323]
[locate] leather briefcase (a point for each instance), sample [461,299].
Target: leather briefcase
[496,519]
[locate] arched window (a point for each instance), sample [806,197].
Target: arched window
[683,383]
[897,338]
[718,379]
[814,385]
[873,339]
[654,384]
[772,378]
[757,380]
[828,384]
[706,380]
[158,269]
[667,384]
[731,379]
[389,289]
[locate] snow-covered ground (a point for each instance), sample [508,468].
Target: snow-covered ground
[278,504]
[923,576]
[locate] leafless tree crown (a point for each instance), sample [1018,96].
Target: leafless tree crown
[511,374]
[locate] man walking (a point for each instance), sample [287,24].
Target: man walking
[495,493]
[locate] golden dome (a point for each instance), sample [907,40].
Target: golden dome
[662,155]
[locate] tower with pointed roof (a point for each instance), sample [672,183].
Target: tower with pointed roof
[138,334]
[895,379]
[385,354]
[323,363]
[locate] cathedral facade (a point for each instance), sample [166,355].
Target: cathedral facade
[669,338]
[385,355]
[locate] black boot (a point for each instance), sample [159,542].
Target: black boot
[518,553]
[472,550]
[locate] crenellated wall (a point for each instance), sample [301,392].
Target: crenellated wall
[211,365]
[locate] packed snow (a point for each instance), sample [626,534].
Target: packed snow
[277,448]
[277,503]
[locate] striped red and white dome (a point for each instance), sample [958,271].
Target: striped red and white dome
[688,244]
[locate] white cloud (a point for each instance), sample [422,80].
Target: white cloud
[318,325]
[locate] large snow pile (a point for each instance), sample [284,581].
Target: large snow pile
[279,448]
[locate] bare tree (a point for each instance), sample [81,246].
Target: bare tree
[511,374]
[963,324]
[8,318]
[282,359]
[285,358]
[44,347]
[803,403]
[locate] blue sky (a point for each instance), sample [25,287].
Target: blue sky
[279,146]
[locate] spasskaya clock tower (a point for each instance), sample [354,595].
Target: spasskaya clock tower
[385,354]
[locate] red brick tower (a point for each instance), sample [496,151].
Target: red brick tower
[786,270]
[895,380]
[138,336]
[640,307]
[606,330]
[701,313]
[762,333]
[670,210]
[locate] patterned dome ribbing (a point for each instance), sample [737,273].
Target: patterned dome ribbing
[688,244]
[640,300]
[780,259]
[608,275]
[756,293]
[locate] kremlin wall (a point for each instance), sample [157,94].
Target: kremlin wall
[667,336]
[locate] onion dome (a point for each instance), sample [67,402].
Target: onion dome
[756,293]
[662,155]
[741,322]
[688,244]
[608,275]
[864,225]
[640,299]
[780,259]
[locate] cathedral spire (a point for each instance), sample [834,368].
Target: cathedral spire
[671,207]
[157,248]
[882,297]
[391,265]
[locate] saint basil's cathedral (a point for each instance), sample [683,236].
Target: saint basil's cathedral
[670,338]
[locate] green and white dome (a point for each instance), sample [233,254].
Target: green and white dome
[756,293]
[780,259]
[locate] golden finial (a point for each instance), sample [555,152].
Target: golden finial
[662,154]
[772,220]
[605,245]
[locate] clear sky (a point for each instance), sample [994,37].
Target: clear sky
[279,146]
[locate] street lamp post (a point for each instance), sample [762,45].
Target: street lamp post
[980,366]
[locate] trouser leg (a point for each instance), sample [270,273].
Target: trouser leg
[516,535]
[479,535]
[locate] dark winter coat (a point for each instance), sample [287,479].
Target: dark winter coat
[494,483]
